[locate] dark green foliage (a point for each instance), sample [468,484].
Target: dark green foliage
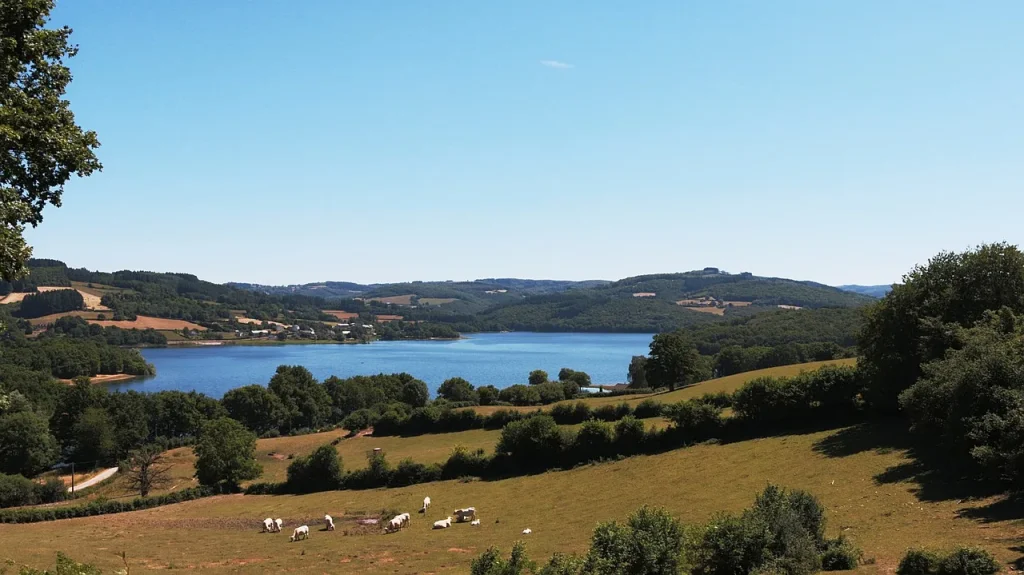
[26,445]
[593,441]
[457,389]
[76,327]
[915,323]
[695,420]
[520,395]
[550,392]
[488,394]
[972,401]
[64,566]
[636,375]
[538,376]
[319,471]
[968,561]
[571,413]
[255,407]
[409,472]
[104,507]
[415,393]
[630,435]
[306,403]
[840,555]
[651,542]
[94,437]
[674,362]
[609,412]
[961,561]
[464,463]
[648,408]
[919,562]
[772,400]
[782,532]
[226,454]
[16,491]
[364,418]
[46,303]
[492,563]
[533,443]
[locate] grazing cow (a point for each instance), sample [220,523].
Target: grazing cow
[405,518]
[426,504]
[463,515]
[300,533]
[278,524]
[268,525]
[443,523]
[394,525]
[527,531]
[475,523]
[330,522]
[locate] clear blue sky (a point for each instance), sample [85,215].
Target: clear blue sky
[287,142]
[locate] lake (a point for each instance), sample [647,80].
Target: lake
[499,359]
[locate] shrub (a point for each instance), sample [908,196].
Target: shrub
[533,443]
[840,555]
[16,490]
[409,472]
[359,420]
[520,395]
[492,563]
[773,400]
[593,441]
[630,435]
[613,412]
[563,565]
[106,507]
[718,399]
[462,463]
[550,392]
[571,413]
[501,418]
[647,408]
[919,562]
[651,541]
[695,420]
[488,394]
[319,471]
[968,561]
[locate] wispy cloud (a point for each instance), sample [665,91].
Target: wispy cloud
[555,64]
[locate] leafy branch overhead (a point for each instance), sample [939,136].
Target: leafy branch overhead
[42,146]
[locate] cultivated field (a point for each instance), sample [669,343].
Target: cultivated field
[242,319]
[49,319]
[395,299]
[727,384]
[436,300]
[870,484]
[342,315]
[92,300]
[146,322]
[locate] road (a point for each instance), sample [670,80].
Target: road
[101,476]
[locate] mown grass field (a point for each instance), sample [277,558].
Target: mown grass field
[871,486]
[727,384]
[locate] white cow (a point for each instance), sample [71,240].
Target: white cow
[475,523]
[394,525]
[463,515]
[278,524]
[268,525]
[300,533]
[405,518]
[330,522]
[426,504]
[443,524]
[527,531]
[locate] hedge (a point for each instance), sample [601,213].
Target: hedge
[104,507]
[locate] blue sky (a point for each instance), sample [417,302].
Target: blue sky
[288,142]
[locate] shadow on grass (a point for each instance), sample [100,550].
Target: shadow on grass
[1019,563]
[937,474]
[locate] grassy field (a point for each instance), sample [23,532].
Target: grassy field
[871,486]
[436,300]
[727,384]
[146,322]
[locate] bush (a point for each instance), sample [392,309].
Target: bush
[520,395]
[719,399]
[487,394]
[968,561]
[695,420]
[919,562]
[533,443]
[651,541]
[593,441]
[105,507]
[16,491]
[551,392]
[630,435]
[613,412]
[840,555]
[771,400]
[490,562]
[409,472]
[359,420]
[463,463]
[319,471]
[499,419]
[571,413]
[648,408]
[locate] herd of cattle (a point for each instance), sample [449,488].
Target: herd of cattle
[397,523]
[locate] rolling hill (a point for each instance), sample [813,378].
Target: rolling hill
[873,291]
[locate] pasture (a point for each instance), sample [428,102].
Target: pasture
[146,322]
[436,300]
[395,299]
[864,475]
[342,315]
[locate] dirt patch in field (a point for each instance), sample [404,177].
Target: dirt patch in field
[49,319]
[707,309]
[342,315]
[395,299]
[92,301]
[386,318]
[145,322]
[105,378]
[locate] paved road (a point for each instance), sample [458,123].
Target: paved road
[101,476]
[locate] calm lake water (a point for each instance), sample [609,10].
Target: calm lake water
[499,359]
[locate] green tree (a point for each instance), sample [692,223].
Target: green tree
[537,377]
[226,454]
[916,322]
[306,403]
[673,361]
[95,440]
[42,146]
[457,389]
[565,373]
[488,394]
[26,445]
[637,374]
[491,562]
[651,542]
[255,407]
[415,393]
[319,471]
